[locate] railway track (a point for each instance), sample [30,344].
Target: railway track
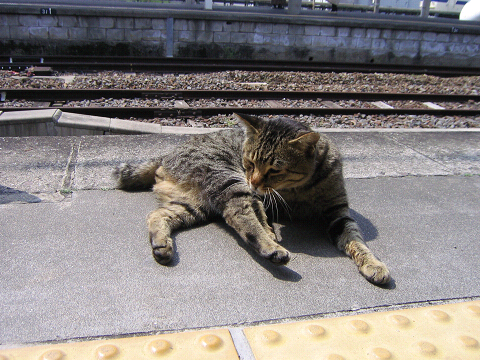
[193,65]
[149,104]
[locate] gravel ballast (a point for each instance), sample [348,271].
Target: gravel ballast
[261,80]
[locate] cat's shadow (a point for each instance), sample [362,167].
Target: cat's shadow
[312,239]
[298,237]
[301,237]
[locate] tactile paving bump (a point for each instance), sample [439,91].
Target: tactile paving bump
[447,332]
[201,345]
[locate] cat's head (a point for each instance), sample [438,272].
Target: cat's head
[277,154]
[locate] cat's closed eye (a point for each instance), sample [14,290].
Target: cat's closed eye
[248,165]
[274,171]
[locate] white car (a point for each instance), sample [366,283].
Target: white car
[471,11]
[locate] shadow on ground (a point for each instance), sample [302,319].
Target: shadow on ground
[10,195]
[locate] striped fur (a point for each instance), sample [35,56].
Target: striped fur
[279,164]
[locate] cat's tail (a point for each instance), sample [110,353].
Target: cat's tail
[136,176]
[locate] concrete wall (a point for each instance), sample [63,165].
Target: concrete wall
[212,34]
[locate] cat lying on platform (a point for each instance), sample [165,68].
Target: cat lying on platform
[280,164]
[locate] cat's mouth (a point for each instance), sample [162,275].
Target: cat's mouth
[262,190]
[257,190]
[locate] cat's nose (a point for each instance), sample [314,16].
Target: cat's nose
[256,180]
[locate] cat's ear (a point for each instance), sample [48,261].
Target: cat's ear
[306,142]
[252,124]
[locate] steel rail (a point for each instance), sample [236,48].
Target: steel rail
[52,95]
[155,112]
[190,65]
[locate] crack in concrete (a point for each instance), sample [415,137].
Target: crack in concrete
[445,167]
[70,168]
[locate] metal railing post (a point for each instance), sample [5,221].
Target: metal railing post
[425,9]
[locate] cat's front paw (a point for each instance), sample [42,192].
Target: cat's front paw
[279,257]
[377,273]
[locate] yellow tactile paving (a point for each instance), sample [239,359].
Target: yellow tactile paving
[447,332]
[197,345]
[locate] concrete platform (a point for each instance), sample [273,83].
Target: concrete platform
[76,263]
[55,122]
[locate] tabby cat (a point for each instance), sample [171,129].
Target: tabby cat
[278,163]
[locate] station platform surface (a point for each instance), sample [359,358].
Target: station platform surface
[78,279]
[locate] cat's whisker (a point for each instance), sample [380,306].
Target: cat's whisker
[274,202]
[285,205]
[267,201]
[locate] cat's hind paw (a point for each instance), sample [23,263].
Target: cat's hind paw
[162,250]
[163,255]
[377,273]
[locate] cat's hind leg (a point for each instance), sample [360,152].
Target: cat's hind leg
[162,221]
[345,233]
[179,208]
